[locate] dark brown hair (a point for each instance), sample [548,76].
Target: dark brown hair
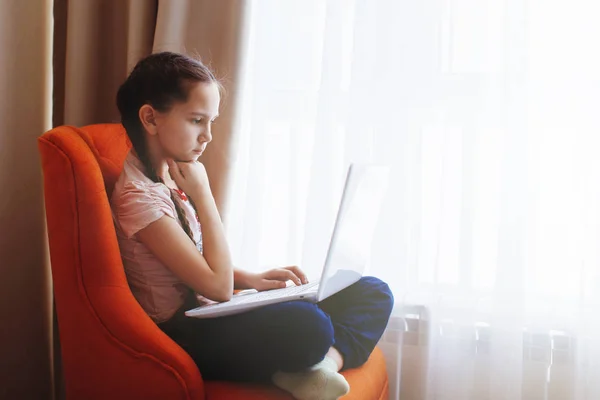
[160,80]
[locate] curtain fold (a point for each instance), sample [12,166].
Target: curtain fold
[25,286]
[100,40]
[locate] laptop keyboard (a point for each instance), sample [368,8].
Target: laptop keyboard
[269,294]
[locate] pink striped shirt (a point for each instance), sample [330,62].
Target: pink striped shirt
[136,202]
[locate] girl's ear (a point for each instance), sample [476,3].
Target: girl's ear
[147,116]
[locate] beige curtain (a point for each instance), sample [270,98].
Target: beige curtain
[98,42]
[25,112]
[61,62]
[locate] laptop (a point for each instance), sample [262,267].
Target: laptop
[348,252]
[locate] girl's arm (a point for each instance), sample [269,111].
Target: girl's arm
[210,273]
[242,279]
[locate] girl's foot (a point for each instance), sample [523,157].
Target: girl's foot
[319,382]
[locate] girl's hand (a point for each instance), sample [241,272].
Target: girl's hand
[190,176]
[277,278]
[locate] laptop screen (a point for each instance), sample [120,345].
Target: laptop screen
[357,219]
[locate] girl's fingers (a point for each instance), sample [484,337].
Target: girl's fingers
[270,284]
[298,272]
[284,274]
[174,170]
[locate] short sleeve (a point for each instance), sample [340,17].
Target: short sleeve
[139,204]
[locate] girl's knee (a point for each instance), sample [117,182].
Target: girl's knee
[376,289]
[310,321]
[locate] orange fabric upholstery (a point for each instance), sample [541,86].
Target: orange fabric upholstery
[110,347]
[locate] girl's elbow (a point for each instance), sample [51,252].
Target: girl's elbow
[224,291]
[223,295]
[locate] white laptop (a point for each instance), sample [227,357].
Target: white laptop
[348,252]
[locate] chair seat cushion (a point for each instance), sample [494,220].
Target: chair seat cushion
[369,382]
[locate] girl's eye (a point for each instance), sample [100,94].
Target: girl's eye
[197,120]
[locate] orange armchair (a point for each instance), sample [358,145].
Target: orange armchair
[110,347]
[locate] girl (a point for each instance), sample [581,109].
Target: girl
[173,246]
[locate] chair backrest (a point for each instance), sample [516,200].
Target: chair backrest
[109,346]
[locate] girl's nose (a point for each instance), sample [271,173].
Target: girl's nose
[206,136]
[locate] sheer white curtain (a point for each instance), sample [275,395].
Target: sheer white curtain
[486,110]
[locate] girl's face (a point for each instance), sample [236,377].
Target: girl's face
[185,130]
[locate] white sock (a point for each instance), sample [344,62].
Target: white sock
[319,382]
